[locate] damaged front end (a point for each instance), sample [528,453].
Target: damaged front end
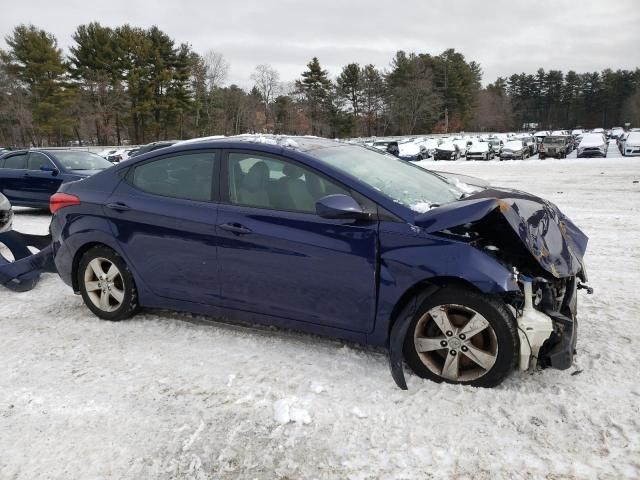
[542,248]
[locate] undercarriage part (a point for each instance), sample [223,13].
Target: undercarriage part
[534,328]
[23,272]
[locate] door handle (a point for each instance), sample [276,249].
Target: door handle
[235,228]
[120,207]
[26,174]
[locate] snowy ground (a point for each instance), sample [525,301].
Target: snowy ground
[168,395]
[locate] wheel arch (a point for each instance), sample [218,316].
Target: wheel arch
[434,284]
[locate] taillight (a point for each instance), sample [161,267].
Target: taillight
[61,200]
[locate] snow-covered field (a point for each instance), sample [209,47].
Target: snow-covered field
[168,395]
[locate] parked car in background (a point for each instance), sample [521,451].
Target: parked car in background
[447,151]
[593,145]
[530,142]
[557,146]
[29,177]
[480,151]
[268,233]
[496,144]
[6,214]
[105,153]
[632,145]
[150,147]
[616,132]
[620,141]
[121,155]
[598,130]
[577,131]
[462,145]
[515,150]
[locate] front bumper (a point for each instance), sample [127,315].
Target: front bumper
[550,338]
[632,150]
[591,152]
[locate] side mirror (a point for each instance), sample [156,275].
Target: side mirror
[49,168]
[340,206]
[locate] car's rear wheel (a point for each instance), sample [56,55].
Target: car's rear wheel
[462,337]
[107,285]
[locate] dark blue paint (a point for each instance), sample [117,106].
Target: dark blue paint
[337,277]
[32,188]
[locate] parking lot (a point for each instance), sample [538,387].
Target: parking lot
[171,395]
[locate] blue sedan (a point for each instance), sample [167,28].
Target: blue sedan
[29,177]
[342,240]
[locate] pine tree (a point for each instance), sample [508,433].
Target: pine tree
[315,87]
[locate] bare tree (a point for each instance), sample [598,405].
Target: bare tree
[267,81]
[217,68]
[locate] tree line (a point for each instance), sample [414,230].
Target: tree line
[133,85]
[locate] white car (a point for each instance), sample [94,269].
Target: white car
[577,131]
[632,145]
[593,145]
[107,152]
[616,132]
[598,130]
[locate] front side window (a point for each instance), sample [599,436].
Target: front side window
[188,177]
[267,182]
[16,161]
[37,160]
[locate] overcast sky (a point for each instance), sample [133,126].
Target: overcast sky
[504,36]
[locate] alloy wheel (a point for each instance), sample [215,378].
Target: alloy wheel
[456,342]
[104,284]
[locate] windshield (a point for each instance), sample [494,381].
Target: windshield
[401,181]
[479,147]
[553,140]
[82,161]
[514,144]
[447,146]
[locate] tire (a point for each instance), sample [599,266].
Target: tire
[495,343]
[102,273]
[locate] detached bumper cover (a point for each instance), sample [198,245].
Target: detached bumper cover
[23,273]
[558,351]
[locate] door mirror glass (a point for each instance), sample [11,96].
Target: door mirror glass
[340,206]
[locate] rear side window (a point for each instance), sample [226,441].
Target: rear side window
[37,160]
[16,161]
[189,177]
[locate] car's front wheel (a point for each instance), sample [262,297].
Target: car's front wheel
[462,337]
[107,285]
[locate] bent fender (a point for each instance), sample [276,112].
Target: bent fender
[23,273]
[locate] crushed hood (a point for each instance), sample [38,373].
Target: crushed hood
[553,240]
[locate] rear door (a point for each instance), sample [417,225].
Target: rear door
[12,176]
[278,257]
[164,216]
[39,185]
